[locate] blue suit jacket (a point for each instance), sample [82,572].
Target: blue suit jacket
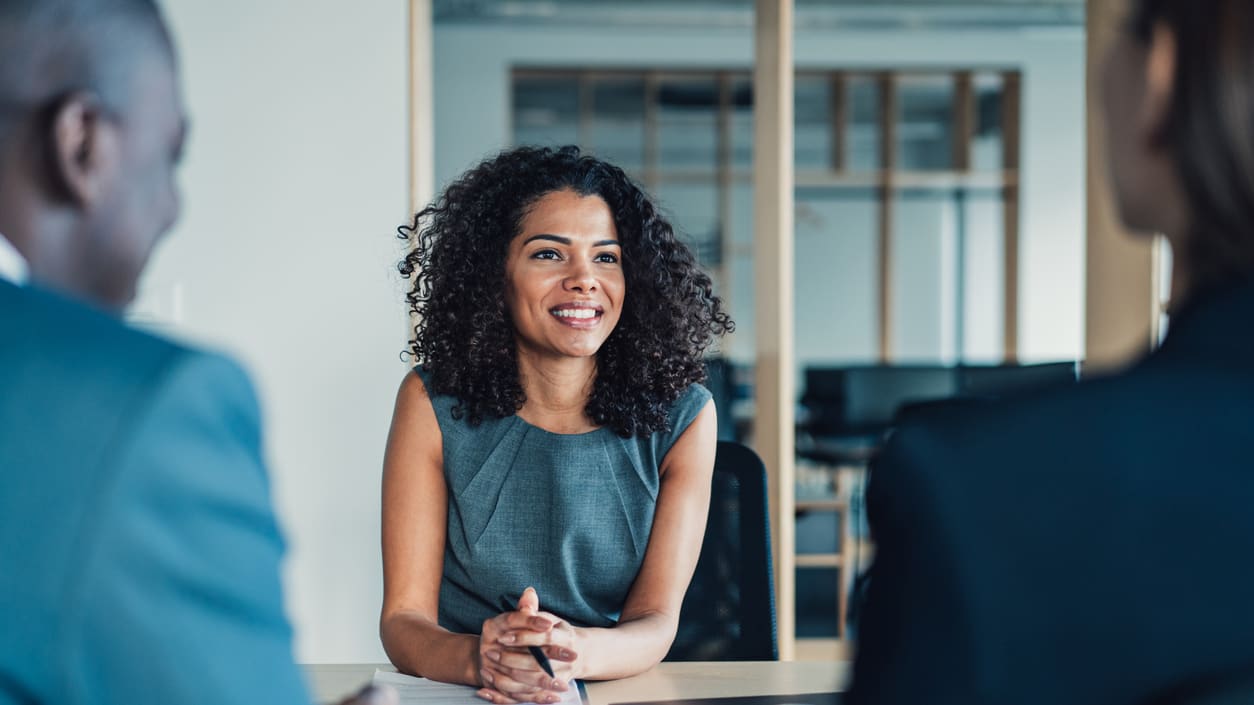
[139,556]
[1090,545]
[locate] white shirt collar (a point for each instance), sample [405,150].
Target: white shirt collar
[13,267]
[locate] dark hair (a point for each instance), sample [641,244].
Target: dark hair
[463,336]
[1210,127]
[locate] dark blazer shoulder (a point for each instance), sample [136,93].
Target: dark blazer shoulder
[1044,421]
[983,515]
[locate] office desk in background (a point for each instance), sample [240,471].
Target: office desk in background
[667,681]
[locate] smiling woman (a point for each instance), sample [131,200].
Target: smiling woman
[564,277]
[547,475]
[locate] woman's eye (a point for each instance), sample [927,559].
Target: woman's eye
[607,257]
[545,254]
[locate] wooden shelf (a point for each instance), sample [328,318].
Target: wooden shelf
[820,649]
[819,560]
[822,505]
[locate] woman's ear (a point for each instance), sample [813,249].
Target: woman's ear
[83,148]
[1160,83]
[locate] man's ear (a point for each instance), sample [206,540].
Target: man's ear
[83,144]
[1160,83]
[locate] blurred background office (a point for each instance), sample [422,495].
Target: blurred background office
[940,205]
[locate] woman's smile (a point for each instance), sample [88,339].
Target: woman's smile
[578,314]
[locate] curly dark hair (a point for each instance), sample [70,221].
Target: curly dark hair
[464,338]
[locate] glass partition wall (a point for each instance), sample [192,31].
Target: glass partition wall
[907,198]
[906,230]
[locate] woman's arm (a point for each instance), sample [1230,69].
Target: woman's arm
[650,616]
[415,515]
[415,509]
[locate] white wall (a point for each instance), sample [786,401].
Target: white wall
[473,66]
[294,182]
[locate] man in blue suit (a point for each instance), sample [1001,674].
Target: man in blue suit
[139,556]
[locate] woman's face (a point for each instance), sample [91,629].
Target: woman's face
[1123,94]
[1136,94]
[564,283]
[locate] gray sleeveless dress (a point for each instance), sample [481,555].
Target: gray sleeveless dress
[569,514]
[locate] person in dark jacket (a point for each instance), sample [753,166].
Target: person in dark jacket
[1093,544]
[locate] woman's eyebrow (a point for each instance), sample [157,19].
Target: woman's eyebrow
[567,241]
[546,236]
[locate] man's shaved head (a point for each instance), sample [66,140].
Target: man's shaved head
[91,127]
[52,48]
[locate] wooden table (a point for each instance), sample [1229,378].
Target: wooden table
[666,681]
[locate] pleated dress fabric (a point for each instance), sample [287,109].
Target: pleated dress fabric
[568,514]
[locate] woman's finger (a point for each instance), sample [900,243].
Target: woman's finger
[523,668]
[495,696]
[529,602]
[512,621]
[525,637]
[529,637]
[518,660]
[559,653]
[511,687]
[548,620]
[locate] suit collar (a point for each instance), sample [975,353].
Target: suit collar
[1215,323]
[13,267]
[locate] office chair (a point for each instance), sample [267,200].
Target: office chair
[728,613]
[719,380]
[998,381]
[849,409]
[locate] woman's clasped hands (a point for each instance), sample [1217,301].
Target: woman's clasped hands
[509,672]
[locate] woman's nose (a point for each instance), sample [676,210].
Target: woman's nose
[580,278]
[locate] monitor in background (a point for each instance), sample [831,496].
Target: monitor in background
[863,400]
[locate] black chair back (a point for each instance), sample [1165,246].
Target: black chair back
[996,381]
[719,379]
[729,611]
[862,400]
[867,399]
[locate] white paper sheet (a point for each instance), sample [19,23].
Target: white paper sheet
[420,691]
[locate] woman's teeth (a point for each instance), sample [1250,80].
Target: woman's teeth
[575,313]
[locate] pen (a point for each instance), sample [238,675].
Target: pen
[541,659]
[536,652]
